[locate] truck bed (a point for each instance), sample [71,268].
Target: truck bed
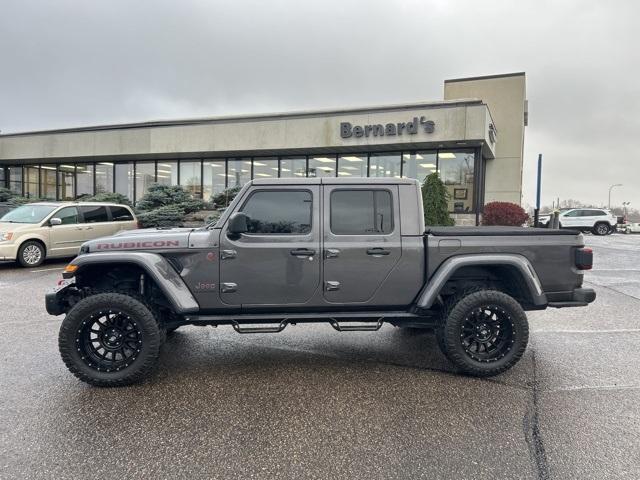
[494,231]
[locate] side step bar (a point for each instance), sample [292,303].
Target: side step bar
[340,321]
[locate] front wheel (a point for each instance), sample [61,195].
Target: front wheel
[109,339]
[601,229]
[31,254]
[483,333]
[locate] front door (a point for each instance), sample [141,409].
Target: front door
[277,261]
[362,241]
[66,238]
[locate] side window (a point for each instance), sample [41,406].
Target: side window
[68,215]
[120,214]
[279,212]
[574,213]
[361,212]
[94,214]
[598,213]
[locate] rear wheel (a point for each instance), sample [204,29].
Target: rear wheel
[31,254]
[483,333]
[601,228]
[109,339]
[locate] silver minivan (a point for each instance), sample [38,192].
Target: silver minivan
[30,233]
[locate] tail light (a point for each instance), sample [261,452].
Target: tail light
[584,258]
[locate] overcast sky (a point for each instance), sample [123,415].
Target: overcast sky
[71,63]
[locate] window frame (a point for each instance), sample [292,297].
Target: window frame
[367,189]
[79,216]
[84,219]
[279,190]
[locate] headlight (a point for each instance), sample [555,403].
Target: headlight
[6,236]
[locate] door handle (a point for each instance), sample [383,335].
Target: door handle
[303,252]
[78,228]
[89,228]
[228,254]
[377,251]
[331,253]
[228,287]
[331,285]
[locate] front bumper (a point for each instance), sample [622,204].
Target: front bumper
[8,251]
[57,302]
[579,297]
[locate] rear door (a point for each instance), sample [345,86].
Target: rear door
[362,241]
[66,238]
[277,262]
[95,221]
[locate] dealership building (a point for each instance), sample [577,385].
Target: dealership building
[474,138]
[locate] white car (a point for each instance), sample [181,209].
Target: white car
[36,231]
[629,227]
[599,221]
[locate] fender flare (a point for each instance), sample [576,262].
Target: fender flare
[427,297]
[154,265]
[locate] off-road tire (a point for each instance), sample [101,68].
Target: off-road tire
[601,228]
[28,250]
[125,306]
[459,311]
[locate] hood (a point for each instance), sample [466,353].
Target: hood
[17,227]
[143,239]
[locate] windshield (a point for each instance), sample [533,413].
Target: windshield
[28,214]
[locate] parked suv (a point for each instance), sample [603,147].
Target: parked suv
[36,231]
[596,220]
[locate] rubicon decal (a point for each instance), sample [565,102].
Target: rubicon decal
[147,244]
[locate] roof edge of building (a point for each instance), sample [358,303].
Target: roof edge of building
[248,117]
[485,77]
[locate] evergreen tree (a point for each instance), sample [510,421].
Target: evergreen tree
[434,198]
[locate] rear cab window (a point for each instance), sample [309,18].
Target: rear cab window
[95,214]
[361,212]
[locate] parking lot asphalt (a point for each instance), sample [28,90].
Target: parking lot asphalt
[314,403]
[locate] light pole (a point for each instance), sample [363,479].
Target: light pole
[611,188]
[624,209]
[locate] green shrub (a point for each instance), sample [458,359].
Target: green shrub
[6,194]
[224,198]
[434,198]
[105,197]
[160,195]
[165,216]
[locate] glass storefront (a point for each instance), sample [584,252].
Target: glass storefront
[124,179]
[209,177]
[66,182]
[104,177]
[145,177]
[322,166]
[84,179]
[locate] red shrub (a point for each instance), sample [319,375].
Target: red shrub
[504,213]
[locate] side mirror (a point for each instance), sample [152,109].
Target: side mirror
[55,221]
[238,224]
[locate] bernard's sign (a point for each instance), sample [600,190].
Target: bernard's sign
[379,130]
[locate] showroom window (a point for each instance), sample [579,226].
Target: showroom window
[32,182]
[384,165]
[167,173]
[15,179]
[265,167]
[145,177]
[191,177]
[84,179]
[352,165]
[456,170]
[279,212]
[124,179]
[104,177]
[322,166]
[293,167]
[48,182]
[361,212]
[2,177]
[213,178]
[239,172]
[419,165]
[66,182]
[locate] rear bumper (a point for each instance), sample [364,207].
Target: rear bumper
[580,297]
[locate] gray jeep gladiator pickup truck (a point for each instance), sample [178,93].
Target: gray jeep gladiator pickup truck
[351,252]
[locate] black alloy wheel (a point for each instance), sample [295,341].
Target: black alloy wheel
[110,339]
[483,332]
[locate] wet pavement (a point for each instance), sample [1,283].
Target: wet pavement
[314,403]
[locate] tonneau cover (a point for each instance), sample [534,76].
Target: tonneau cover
[494,231]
